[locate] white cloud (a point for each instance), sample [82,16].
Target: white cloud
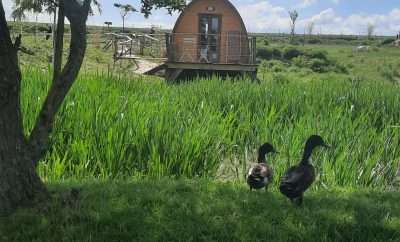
[330,22]
[306,3]
[7,4]
[264,17]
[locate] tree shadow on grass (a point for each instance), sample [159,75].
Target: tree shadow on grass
[191,210]
[358,216]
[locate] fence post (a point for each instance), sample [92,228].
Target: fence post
[254,44]
[167,45]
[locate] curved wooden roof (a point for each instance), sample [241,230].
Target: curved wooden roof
[227,2]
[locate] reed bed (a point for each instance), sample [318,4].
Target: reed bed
[121,127]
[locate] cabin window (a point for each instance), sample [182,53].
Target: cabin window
[209,30]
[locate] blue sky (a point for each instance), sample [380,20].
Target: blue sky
[329,16]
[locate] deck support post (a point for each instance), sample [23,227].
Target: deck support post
[171,75]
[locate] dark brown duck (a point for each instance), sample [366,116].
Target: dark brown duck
[260,175]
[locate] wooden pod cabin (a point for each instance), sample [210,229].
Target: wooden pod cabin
[210,36]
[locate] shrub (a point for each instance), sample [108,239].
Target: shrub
[319,54]
[314,41]
[268,53]
[300,61]
[318,65]
[273,65]
[387,41]
[391,73]
[294,69]
[340,68]
[276,53]
[264,53]
[364,43]
[277,66]
[291,52]
[315,60]
[280,78]
[318,62]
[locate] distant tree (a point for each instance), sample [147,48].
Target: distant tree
[147,6]
[370,30]
[293,18]
[170,5]
[310,28]
[18,14]
[124,9]
[108,25]
[48,6]
[20,153]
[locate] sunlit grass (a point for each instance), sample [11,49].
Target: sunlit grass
[118,128]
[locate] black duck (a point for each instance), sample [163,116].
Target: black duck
[298,179]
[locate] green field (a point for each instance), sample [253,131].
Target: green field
[159,161]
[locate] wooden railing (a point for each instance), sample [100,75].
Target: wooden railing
[134,46]
[226,48]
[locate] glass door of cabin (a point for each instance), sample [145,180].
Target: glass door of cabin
[209,30]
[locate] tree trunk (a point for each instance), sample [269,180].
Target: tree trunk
[19,182]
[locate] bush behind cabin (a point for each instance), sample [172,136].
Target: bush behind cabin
[316,60]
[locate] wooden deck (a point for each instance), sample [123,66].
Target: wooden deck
[212,67]
[184,54]
[175,69]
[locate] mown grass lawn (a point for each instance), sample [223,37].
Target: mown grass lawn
[199,210]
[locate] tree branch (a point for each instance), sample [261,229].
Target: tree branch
[59,42]
[18,47]
[77,13]
[26,50]
[10,76]
[54,3]
[5,39]
[10,80]
[17,43]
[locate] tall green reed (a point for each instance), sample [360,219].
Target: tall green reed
[117,127]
